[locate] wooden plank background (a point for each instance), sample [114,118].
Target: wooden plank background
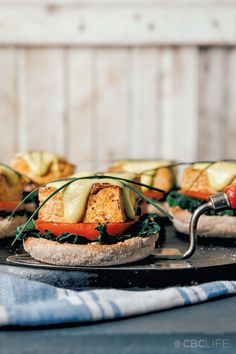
[105,80]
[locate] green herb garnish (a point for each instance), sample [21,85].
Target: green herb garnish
[145,227]
[191,204]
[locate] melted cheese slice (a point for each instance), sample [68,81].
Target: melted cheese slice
[11,176]
[75,196]
[141,166]
[39,162]
[220,174]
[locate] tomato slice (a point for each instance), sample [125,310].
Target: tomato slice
[8,206]
[154,194]
[82,229]
[193,194]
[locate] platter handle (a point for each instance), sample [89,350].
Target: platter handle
[217,202]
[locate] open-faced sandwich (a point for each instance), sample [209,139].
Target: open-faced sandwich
[89,221]
[199,181]
[11,192]
[41,167]
[155,173]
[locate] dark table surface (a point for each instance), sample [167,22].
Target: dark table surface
[204,328]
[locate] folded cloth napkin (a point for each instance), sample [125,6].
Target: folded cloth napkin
[30,303]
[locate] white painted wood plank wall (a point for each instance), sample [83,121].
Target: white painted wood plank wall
[112,22]
[67,85]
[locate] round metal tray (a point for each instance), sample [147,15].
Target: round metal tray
[211,261]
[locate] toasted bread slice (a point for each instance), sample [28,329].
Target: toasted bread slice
[91,255]
[8,227]
[104,204]
[208,226]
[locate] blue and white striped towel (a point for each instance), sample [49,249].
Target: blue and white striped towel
[29,303]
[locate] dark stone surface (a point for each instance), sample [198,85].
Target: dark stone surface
[204,328]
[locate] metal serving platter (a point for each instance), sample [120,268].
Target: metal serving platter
[213,259]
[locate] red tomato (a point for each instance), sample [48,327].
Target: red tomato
[8,206]
[154,194]
[198,195]
[82,229]
[231,194]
